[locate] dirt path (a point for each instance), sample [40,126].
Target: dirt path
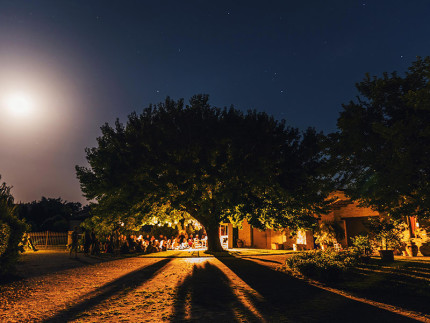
[140,289]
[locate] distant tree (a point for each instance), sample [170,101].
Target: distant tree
[175,162]
[49,214]
[382,149]
[11,230]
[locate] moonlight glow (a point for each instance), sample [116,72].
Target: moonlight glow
[19,104]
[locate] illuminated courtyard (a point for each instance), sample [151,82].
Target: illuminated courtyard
[245,288]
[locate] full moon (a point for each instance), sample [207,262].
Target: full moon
[19,104]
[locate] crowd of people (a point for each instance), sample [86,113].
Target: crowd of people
[150,244]
[90,244]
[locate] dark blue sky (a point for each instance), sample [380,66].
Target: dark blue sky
[88,62]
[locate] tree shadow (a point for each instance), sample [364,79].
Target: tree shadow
[118,287]
[206,294]
[263,260]
[46,262]
[290,299]
[384,281]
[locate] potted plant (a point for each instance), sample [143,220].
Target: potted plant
[423,237]
[386,234]
[419,241]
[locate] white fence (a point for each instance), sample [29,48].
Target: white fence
[47,240]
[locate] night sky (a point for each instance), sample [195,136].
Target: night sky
[79,64]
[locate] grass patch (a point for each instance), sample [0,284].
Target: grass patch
[404,283]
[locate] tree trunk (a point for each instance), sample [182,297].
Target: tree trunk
[408,222]
[214,243]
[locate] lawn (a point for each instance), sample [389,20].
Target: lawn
[404,283]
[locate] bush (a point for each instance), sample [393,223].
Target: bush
[385,232]
[327,265]
[329,232]
[11,231]
[362,244]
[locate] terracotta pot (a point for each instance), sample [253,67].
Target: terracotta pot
[412,249]
[425,249]
[365,259]
[387,255]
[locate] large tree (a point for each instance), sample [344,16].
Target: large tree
[382,148]
[177,161]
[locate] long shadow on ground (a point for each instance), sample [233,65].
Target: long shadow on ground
[50,262]
[288,299]
[118,287]
[401,283]
[206,294]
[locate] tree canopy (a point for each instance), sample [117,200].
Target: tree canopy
[177,161]
[382,149]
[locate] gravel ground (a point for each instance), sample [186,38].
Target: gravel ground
[55,288]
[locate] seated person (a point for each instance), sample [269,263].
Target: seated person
[139,246]
[175,244]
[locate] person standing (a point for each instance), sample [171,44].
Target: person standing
[74,245]
[87,242]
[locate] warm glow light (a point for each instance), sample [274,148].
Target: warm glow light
[19,104]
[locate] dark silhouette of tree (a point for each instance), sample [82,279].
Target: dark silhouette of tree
[11,230]
[382,149]
[213,165]
[49,214]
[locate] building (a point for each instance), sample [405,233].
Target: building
[344,211]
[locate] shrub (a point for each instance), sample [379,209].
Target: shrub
[11,231]
[327,265]
[362,244]
[385,232]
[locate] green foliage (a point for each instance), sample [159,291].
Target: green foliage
[165,230]
[382,148]
[103,226]
[329,232]
[11,231]
[4,237]
[362,244]
[385,232]
[175,162]
[327,265]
